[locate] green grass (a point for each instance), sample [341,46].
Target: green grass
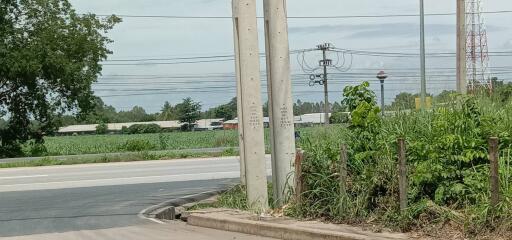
[97,144]
[234,198]
[122,157]
[90,144]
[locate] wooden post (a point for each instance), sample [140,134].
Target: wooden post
[299,184]
[402,174]
[343,169]
[494,173]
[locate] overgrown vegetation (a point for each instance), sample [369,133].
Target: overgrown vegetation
[447,159]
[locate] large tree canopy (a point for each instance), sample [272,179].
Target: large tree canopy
[49,58]
[188,112]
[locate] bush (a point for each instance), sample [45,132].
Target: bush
[35,149]
[124,130]
[144,128]
[447,160]
[340,117]
[101,129]
[138,145]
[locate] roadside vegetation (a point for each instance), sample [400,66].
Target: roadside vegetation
[448,167]
[91,144]
[119,143]
[119,157]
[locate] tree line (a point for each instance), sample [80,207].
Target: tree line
[187,111]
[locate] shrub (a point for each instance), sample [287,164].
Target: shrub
[101,128]
[339,117]
[144,128]
[37,149]
[138,145]
[447,160]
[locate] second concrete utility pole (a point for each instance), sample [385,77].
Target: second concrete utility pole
[280,105]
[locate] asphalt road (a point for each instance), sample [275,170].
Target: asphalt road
[61,199]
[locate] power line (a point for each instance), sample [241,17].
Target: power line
[297,17]
[167,63]
[229,58]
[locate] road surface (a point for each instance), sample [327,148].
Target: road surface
[99,197]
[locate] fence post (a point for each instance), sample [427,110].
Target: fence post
[299,181]
[402,173]
[343,169]
[494,171]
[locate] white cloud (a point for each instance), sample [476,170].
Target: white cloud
[195,37]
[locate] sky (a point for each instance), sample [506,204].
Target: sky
[136,83]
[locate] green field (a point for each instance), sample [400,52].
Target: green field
[89,144]
[92,144]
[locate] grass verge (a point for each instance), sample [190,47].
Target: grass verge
[121,157]
[234,198]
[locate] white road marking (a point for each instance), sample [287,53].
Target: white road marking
[142,214]
[21,177]
[117,181]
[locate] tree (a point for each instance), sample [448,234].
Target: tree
[101,113]
[49,57]
[446,96]
[502,91]
[227,111]
[137,114]
[404,100]
[167,113]
[101,128]
[355,95]
[188,112]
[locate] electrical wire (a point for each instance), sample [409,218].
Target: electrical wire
[297,17]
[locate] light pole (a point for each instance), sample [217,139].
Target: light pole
[382,76]
[423,94]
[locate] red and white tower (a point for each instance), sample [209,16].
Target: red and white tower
[477,51]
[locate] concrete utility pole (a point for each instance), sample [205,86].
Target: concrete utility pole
[239,98]
[462,84]
[246,36]
[325,63]
[423,65]
[280,105]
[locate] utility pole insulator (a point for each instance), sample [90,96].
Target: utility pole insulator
[326,63]
[324,46]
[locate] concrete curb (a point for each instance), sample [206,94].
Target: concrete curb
[273,230]
[167,209]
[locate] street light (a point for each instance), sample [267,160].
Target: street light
[382,76]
